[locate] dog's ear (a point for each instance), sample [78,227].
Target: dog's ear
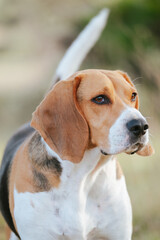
[60,121]
[127,78]
[146,150]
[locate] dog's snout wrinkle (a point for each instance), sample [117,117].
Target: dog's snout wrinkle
[137,127]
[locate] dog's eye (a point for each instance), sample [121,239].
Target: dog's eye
[133,97]
[101,99]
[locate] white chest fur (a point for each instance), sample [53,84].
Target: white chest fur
[86,206]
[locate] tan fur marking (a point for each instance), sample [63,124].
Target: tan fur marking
[118,88]
[146,151]
[99,118]
[92,235]
[52,181]
[119,172]
[101,162]
[8,232]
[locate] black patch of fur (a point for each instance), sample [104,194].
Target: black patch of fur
[52,164]
[40,157]
[40,181]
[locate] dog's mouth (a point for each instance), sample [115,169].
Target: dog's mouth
[134,148]
[103,152]
[128,145]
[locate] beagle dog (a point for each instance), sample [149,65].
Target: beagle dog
[60,179]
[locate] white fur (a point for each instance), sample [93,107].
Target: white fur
[77,52]
[119,138]
[86,205]
[13,237]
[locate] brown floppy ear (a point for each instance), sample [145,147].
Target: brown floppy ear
[146,151]
[60,122]
[127,78]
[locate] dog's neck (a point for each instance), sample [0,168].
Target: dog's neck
[87,170]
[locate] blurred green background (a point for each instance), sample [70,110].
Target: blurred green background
[33,38]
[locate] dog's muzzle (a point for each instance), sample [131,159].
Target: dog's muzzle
[129,133]
[137,129]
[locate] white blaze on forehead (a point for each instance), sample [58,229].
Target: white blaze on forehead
[119,139]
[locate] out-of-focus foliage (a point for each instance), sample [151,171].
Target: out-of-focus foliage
[133,28]
[131,41]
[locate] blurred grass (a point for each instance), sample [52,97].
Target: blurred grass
[34,36]
[2,229]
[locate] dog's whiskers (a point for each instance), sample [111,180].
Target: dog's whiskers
[136,79]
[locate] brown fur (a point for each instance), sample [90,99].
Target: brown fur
[101,162]
[146,151]
[70,123]
[60,122]
[8,232]
[101,118]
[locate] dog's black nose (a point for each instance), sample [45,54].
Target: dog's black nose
[137,127]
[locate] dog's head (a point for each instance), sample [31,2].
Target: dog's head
[93,108]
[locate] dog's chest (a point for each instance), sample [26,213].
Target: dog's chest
[71,211]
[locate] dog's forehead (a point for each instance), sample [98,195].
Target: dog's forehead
[94,83]
[98,82]
[122,86]
[119,80]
